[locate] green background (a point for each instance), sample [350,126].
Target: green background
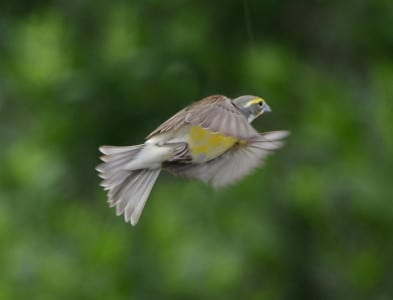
[315,223]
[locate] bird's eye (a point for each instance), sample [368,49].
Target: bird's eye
[260,103]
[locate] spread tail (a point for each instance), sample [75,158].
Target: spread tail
[128,190]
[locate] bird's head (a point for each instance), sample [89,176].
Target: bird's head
[251,106]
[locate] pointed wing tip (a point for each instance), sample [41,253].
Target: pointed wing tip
[286,133]
[276,135]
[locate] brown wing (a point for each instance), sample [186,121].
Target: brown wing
[235,163]
[216,113]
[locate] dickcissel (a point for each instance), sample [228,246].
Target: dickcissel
[210,140]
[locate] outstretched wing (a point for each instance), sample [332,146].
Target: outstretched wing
[215,113]
[235,163]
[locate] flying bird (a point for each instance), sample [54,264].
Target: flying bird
[211,140]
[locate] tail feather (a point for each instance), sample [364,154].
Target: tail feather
[113,150]
[114,158]
[133,198]
[128,190]
[115,180]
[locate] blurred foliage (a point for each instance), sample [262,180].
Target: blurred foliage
[315,223]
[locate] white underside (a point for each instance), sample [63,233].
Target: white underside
[154,152]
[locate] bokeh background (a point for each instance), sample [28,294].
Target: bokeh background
[315,223]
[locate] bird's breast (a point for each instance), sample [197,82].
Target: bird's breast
[206,145]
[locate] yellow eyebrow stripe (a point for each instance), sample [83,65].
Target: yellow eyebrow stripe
[254,101]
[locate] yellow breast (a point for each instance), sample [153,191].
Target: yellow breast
[206,145]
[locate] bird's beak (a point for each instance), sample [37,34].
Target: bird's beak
[266,108]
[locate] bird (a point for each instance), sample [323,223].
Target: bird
[211,140]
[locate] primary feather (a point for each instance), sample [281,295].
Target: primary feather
[210,140]
[233,165]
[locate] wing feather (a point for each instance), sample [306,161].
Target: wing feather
[215,113]
[235,163]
